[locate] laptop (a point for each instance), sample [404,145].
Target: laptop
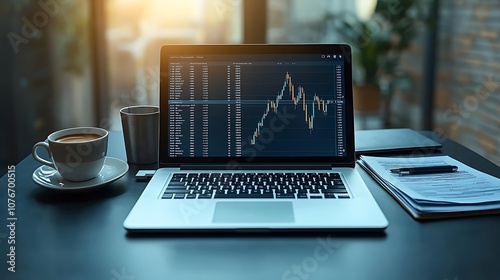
[256,138]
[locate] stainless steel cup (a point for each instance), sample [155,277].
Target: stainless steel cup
[140,132]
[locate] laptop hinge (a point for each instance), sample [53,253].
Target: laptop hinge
[256,167]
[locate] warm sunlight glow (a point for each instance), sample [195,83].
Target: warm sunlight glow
[173,14]
[365,8]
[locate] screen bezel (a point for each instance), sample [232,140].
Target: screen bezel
[169,50]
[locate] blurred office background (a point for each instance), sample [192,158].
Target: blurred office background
[427,65]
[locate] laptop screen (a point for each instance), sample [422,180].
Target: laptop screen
[255,103]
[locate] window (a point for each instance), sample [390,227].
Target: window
[137,29]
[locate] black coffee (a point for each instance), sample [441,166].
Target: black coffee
[77,138]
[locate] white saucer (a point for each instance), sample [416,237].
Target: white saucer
[48,177]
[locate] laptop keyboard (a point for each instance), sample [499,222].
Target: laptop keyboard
[256,185]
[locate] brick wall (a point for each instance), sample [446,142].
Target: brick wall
[467,93]
[468,81]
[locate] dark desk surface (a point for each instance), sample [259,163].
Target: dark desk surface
[81,237]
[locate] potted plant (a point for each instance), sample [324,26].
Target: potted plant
[377,43]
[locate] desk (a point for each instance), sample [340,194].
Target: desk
[62,236]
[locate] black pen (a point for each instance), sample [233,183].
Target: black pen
[424,169]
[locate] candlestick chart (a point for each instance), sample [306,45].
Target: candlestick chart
[298,97]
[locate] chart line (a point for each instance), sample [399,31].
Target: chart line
[296,97]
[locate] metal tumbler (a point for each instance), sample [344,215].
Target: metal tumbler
[140,132]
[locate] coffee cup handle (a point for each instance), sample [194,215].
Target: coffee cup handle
[38,158]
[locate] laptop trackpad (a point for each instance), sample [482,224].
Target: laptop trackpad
[254,212]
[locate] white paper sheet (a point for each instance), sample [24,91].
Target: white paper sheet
[465,186]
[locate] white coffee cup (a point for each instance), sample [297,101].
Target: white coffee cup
[78,153]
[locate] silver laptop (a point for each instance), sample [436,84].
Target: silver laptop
[256,138]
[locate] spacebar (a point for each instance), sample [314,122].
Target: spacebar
[267,195]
